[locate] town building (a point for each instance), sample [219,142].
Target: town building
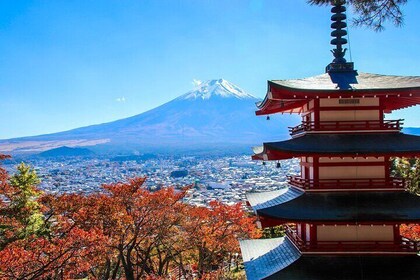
[343,213]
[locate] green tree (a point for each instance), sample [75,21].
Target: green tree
[273,232]
[20,212]
[408,169]
[372,13]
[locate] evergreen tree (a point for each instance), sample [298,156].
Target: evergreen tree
[408,169]
[372,13]
[25,204]
[20,211]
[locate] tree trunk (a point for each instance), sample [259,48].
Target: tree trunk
[128,267]
[107,269]
[117,267]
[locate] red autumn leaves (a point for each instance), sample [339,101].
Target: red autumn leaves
[123,232]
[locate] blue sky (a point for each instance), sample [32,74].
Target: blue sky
[66,64]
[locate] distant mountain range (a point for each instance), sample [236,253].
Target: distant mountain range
[67,152]
[216,115]
[412,130]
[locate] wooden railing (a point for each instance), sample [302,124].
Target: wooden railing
[337,126]
[328,184]
[405,246]
[294,237]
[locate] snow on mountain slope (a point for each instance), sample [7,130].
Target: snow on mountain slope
[213,88]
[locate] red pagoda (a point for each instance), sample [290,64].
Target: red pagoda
[343,213]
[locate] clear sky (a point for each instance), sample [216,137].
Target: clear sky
[66,64]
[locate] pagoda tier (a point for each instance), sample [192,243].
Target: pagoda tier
[278,259]
[372,207]
[340,222]
[341,145]
[351,268]
[265,257]
[345,214]
[290,96]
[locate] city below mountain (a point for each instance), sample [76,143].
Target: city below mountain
[216,116]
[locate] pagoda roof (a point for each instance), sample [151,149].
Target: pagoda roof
[344,207]
[278,258]
[350,268]
[351,80]
[265,257]
[261,200]
[344,144]
[290,95]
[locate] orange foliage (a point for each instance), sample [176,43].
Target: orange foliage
[214,233]
[124,232]
[67,255]
[411,231]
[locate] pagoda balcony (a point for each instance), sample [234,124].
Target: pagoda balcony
[404,246]
[347,184]
[343,126]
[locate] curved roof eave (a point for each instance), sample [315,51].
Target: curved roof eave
[378,144]
[374,206]
[359,267]
[331,85]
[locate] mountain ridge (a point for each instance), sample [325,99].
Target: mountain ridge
[214,113]
[65,151]
[214,88]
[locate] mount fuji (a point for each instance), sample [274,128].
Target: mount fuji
[215,113]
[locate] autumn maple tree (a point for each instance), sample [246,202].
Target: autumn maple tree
[122,232]
[138,226]
[411,231]
[35,245]
[214,232]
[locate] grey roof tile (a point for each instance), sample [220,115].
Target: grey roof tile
[349,143]
[265,257]
[348,206]
[360,81]
[360,267]
[263,200]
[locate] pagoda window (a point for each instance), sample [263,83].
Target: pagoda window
[355,233]
[308,232]
[350,115]
[304,171]
[308,168]
[370,115]
[311,105]
[350,160]
[311,173]
[307,117]
[351,172]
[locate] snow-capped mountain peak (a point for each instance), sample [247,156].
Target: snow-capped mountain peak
[213,88]
[214,115]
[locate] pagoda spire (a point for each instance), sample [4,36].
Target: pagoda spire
[339,64]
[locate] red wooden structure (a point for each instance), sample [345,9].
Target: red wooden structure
[346,201]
